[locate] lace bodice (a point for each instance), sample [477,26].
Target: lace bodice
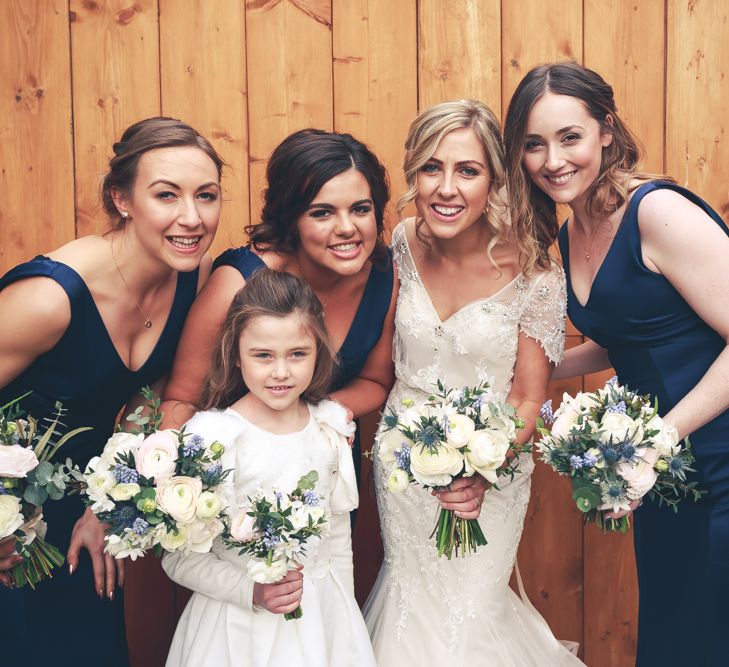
[477,343]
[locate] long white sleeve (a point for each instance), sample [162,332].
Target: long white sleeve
[211,576]
[340,545]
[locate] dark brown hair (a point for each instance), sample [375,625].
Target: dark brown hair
[298,168]
[273,294]
[138,139]
[530,206]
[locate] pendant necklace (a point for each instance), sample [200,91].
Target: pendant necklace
[147,320]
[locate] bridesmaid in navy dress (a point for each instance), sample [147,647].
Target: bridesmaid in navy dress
[89,325]
[323,220]
[645,265]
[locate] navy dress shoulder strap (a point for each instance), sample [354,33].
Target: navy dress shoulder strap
[243,259]
[644,189]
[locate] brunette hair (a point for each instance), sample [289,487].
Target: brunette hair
[273,294]
[424,136]
[138,139]
[298,168]
[531,208]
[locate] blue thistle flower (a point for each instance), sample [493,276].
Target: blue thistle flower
[429,436]
[125,475]
[614,490]
[213,475]
[627,452]
[123,516]
[311,498]
[546,412]
[610,454]
[193,445]
[619,408]
[140,526]
[676,465]
[576,462]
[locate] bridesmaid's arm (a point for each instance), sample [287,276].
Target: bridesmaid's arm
[368,391]
[582,359]
[680,241]
[195,349]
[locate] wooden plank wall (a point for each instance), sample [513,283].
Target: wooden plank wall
[77,72]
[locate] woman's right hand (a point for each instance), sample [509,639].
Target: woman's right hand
[89,533]
[8,560]
[282,597]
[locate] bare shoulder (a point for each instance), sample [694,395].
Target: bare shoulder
[206,267]
[219,289]
[82,254]
[665,211]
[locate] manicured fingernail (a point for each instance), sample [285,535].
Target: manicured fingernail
[111,595]
[70,568]
[101,592]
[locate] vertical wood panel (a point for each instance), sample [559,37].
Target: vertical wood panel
[36,152]
[375,79]
[289,47]
[203,82]
[115,62]
[459,51]
[697,133]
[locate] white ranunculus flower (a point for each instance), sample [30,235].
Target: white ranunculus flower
[666,440]
[640,476]
[435,467]
[171,540]
[398,481]
[208,506]
[157,455]
[16,461]
[201,535]
[459,430]
[100,483]
[124,491]
[120,443]
[487,452]
[617,427]
[264,574]
[11,517]
[243,526]
[178,497]
[389,442]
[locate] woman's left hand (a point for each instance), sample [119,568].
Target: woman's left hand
[465,496]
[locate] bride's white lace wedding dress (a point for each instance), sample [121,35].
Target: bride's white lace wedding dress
[424,610]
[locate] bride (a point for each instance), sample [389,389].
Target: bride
[479,301]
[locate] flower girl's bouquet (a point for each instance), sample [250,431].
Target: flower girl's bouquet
[455,433]
[28,479]
[158,489]
[616,449]
[274,529]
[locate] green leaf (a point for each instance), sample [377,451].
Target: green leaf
[53,492]
[43,473]
[308,481]
[35,495]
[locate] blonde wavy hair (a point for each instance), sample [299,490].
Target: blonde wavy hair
[532,211]
[424,136]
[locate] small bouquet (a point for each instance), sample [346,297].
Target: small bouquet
[28,479]
[274,530]
[156,488]
[455,433]
[616,449]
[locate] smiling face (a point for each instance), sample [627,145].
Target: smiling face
[338,230]
[453,185]
[277,358]
[174,205]
[563,148]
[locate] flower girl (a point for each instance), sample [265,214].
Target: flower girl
[264,401]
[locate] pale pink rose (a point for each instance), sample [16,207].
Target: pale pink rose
[16,461]
[242,526]
[157,455]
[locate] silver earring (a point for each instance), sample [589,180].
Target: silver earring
[125,215]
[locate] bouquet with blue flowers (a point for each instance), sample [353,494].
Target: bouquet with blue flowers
[455,433]
[275,528]
[616,449]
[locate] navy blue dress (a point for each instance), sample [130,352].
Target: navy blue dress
[64,622]
[364,332]
[660,346]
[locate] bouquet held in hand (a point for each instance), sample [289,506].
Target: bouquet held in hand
[274,529]
[617,449]
[455,433]
[156,488]
[28,478]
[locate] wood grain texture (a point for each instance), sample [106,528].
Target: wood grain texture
[36,150]
[459,51]
[203,82]
[375,79]
[289,43]
[115,69]
[697,130]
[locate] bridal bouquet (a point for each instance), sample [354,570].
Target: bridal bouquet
[455,433]
[28,479]
[616,449]
[274,529]
[156,488]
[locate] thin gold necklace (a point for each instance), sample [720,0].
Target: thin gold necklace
[588,250]
[147,320]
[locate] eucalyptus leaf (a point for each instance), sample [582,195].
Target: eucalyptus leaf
[43,473]
[35,495]
[53,492]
